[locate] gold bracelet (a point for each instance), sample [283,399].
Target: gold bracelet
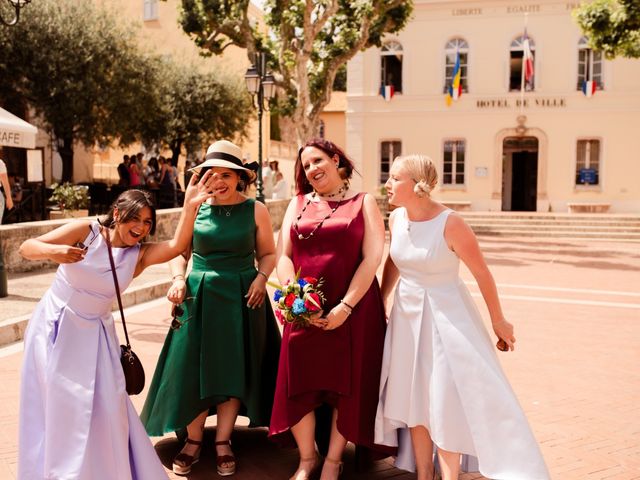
[260,272]
[173,279]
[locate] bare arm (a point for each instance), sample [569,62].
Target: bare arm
[265,256]
[59,244]
[463,242]
[284,263]
[4,179]
[372,249]
[153,253]
[390,272]
[178,289]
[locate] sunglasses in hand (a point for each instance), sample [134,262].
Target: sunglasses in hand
[177,310]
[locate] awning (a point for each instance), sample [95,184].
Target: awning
[15,132]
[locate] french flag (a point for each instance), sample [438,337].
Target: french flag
[386,91]
[527,58]
[589,88]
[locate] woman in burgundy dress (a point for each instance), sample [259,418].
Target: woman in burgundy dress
[334,233]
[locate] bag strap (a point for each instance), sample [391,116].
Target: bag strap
[115,281]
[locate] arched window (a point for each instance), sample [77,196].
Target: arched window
[455,47]
[516,63]
[391,67]
[589,65]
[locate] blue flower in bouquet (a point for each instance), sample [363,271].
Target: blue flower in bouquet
[277,295]
[302,282]
[298,307]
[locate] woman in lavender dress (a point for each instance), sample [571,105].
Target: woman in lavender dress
[76,420]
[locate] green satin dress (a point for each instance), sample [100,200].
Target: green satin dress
[224,348]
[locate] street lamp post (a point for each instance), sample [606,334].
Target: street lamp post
[14,5]
[261,86]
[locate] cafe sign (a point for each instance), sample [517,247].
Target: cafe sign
[15,132]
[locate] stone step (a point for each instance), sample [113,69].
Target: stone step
[553,227]
[12,329]
[598,235]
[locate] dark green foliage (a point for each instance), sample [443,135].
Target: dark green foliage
[612,26]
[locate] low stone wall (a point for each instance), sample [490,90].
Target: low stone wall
[11,236]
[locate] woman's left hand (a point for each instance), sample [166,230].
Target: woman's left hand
[504,330]
[257,292]
[336,317]
[199,189]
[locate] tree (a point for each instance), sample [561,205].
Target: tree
[307,43]
[612,26]
[199,107]
[81,70]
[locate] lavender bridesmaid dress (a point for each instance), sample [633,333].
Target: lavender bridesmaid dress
[76,420]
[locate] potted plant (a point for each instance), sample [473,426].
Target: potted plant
[71,200]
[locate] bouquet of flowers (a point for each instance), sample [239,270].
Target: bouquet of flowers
[298,299]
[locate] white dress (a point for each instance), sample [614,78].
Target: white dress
[440,368]
[76,419]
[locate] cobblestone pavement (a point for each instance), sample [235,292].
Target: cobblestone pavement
[576,307]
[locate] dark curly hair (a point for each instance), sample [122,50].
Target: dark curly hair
[129,204]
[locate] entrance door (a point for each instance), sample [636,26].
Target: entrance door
[520,174]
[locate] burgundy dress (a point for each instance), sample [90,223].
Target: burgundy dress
[338,367]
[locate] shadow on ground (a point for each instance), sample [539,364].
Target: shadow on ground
[260,459]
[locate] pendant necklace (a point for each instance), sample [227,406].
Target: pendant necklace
[227,212]
[342,190]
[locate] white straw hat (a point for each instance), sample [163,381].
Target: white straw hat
[225,154]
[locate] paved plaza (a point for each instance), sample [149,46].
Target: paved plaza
[576,309]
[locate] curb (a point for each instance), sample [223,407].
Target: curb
[12,330]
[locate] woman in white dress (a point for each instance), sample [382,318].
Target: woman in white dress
[441,381]
[76,420]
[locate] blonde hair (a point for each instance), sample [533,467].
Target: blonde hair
[422,170]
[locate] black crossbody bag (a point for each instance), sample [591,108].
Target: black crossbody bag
[131,364]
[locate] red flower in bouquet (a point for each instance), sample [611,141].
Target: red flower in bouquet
[313,302]
[298,300]
[289,299]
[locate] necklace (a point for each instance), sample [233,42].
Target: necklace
[342,189]
[308,202]
[227,212]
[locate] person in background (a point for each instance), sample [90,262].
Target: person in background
[150,173]
[123,172]
[281,188]
[134,173]
[139,162]
[5,190]
[267,179]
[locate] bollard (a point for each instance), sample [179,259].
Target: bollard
[4,289]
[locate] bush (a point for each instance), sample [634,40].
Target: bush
[70,197]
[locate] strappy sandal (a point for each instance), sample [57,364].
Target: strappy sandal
[183,462]
[230,460]
[335,462]
[317,463]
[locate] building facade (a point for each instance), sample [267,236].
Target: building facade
[560,137]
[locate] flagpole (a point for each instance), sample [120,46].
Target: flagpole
[526,17]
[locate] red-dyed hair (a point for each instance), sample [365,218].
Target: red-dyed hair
[344,163]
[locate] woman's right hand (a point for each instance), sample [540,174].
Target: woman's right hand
[65,253]
[317,320]
[177,291]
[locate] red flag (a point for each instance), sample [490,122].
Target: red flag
[527,58]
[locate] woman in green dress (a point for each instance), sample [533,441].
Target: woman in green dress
[221,356]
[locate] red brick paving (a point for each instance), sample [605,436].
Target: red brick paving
[575,369]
